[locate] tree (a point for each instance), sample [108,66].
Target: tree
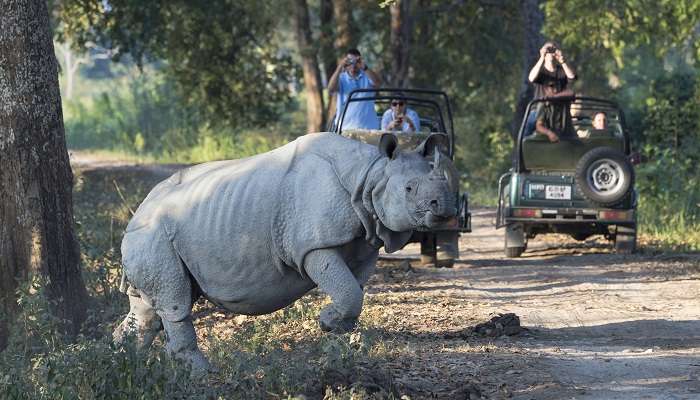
[312,74]
[222,54]
[326,50]
[36,205]
[401,38]
[532,19]
[344,40]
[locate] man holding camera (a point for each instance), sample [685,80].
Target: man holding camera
[551,76]
[400,117]
[352,73]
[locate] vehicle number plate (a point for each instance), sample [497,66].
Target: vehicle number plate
[558,192]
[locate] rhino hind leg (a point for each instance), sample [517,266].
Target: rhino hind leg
[141,321]
[181,343]
[328,270]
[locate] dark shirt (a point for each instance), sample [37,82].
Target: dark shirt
[549,83]
[555,116]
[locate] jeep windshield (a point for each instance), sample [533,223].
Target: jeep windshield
[432,107]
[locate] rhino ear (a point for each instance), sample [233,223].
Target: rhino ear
[388,144]
[434,141]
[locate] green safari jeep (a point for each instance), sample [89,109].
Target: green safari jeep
[439,248]
[582,185]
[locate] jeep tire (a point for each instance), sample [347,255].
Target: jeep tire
[625,240]
[515,242]
[604,176]
[439,249]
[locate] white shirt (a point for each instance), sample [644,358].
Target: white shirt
[405,127]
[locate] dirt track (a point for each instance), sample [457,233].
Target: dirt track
[598,325]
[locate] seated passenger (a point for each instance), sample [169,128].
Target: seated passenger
[554,121]
[400,118]
[600,121]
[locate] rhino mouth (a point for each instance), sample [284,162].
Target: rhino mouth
[429,221]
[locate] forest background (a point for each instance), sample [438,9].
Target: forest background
[192,81]
[197,81]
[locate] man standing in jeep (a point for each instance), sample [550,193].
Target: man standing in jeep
[551,76]
[352,73]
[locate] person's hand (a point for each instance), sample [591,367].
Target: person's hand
[361,64]
[552,137]
[543,50]
[559,56]
[410,124]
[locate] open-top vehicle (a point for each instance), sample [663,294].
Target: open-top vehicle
[582,185]
[438,248]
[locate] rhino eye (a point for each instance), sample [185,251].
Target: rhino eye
[408,189]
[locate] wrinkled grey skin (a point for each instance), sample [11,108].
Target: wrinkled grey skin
[253,235]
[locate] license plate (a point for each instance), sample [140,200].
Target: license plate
[557,192]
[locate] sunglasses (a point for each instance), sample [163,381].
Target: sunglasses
[397,103]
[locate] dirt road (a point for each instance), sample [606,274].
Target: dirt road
[599,325]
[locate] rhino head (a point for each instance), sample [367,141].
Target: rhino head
[419,190]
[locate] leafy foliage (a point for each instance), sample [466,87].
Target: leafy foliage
[644,54]
[220,55]
[143,114]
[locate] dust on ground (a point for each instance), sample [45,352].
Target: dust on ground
[595,325]
[598,325]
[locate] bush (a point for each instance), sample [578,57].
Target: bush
[668,184]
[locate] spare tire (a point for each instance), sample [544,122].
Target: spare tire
[604,176]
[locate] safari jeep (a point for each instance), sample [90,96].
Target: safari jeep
[582,185]
[438,248]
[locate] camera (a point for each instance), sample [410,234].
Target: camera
[350,61]
[551,49]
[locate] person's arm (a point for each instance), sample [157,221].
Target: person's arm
[386,120]
[542,129]
[535,71]
[413,120]
[568,70]
[333,82]
[373,76]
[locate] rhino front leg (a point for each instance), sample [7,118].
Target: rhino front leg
[330,272]
[181,342]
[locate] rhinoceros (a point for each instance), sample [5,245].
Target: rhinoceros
[254,235]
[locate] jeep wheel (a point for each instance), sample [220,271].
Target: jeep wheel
[513,252]
[515,243]
[626,239]
[604,176]
[439,249]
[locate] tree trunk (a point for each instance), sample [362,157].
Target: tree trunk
[400,40]
[344,40]
[532,20]
[312,74]
[36,182]
[327,52]
[342,13]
